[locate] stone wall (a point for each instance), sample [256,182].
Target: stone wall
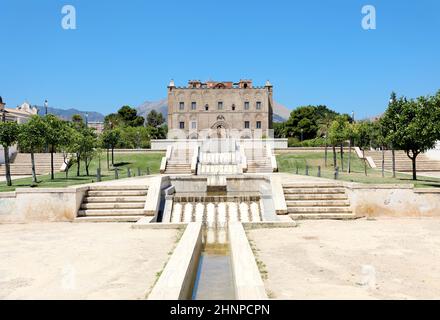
[40,205]
[394,201]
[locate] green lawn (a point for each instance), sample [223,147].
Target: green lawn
[289,162]
[122,162]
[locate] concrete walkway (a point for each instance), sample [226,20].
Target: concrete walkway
[394,258]
[3,178]
[81,261]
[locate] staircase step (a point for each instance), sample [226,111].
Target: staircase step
[334,216]
[111,212]
[323,203]
[108,219]
[311,210]
[112,193]
[117,188]
[128,205]
[314,190]
[316,196]
[114,199]
[312,185]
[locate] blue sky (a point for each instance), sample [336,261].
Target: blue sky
[125,52]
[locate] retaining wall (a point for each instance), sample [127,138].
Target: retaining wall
[394,201]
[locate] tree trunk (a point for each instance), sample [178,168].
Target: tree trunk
[342,157]
[414,166]
[393,158]
[108,161]
[51,163]
[113,156]
[87,166]
[8,168]
[67,173]
[365,161]
[34,174]
[334,156]
[325,153]
[78,161]
[349,157]
[383,162]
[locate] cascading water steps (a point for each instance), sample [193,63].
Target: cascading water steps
[216,215]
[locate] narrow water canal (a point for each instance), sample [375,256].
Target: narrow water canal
[214,279]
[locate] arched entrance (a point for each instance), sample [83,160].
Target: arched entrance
[219,130]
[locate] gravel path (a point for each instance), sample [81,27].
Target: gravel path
[80,260]
[362,259]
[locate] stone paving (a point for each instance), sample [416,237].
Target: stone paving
[81,261]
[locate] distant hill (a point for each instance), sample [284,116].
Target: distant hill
[66,114]
[281,113]
[160,106]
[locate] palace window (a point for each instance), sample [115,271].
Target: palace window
[193,105]
[246,125]
[246,105]
[233,107]
[220,105]
[258,124]
[193,125]
[206,107]
[258,105]
[181,105]
[182,125]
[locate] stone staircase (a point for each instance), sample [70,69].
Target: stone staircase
[317,201]
[22,165]
[113,204]
[258,161]
[403,163]
[179,162]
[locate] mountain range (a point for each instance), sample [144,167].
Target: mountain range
[281,113]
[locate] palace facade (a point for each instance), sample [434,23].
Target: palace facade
[217,108]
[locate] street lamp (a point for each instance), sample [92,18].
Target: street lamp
[87,119]
[46,104]
[302,134]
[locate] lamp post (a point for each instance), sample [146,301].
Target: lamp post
[302,134]
[46,104]
[87,119]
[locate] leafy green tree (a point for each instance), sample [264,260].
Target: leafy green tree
[68,145]
[111,121]
[8,137]
[302,123]
[155,119]
[77,118]
[337,136]
[389,124]
[363,139]
[88,143]
[279,129]
[324,124]
[110,139]
[129,117]
[31,138]
[417,124]
[52,137]
[351,135]
[306,121]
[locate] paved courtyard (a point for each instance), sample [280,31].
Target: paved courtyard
[80,261]
[362,259]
